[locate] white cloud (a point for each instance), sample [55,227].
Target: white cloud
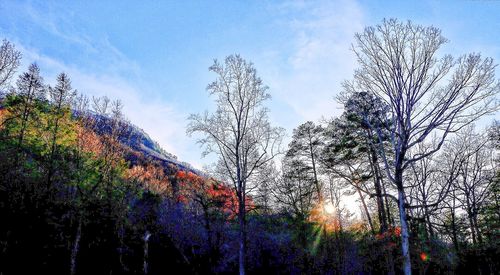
[321,58]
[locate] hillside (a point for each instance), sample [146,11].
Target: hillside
[140,143]
[70,180]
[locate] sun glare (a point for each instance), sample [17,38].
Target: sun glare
[329,208]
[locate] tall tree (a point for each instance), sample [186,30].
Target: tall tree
[432,179]
[475,177]
[9,61]
[30,88]
[294,190]
[238,131]
[306,145]
[61,97]
[426,94]
[361,110]
[345,156]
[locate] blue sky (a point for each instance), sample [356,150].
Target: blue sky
[154,55]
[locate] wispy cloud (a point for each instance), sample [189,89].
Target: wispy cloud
[65,32]
[321,59]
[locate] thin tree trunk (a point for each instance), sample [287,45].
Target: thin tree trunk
[76,247]
[24,123]
[390,219]
[454,230]
[316,182]
[471,223]
[380,201]
[476,226]
[378,188]
[242,250]
[303,240]
[50,171]
[453,224]
[428,221]
[366,210]
[146,251]
[241,209]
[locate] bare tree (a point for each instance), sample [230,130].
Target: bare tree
[238,132]
[425,94]
[475,177]
[432,179]
[9,61]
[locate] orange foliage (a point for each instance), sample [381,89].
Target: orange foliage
[191,187]
[89,141]
[208,191]
[152,177]
[3,115]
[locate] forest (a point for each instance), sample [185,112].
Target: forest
[406,180]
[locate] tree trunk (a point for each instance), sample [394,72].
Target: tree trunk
[405,233]
[476,226]
[377,179]
[242,250]
[366,210]
[50,172]
[454,230]
[428,221]
[453,223]
[316,182]
[146,251]
[390,219]
[471,223]
[378,190]
[76,246]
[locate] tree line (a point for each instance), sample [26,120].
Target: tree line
[77,198]
[405,145]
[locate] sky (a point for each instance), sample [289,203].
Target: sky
[154,55]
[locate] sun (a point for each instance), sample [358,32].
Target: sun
[329,208]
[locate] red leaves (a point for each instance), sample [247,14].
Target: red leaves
[191,190]
[391,232]
[183,199]
[397,231]
[181,175]
[208,192]
[424,257]
[391,236]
